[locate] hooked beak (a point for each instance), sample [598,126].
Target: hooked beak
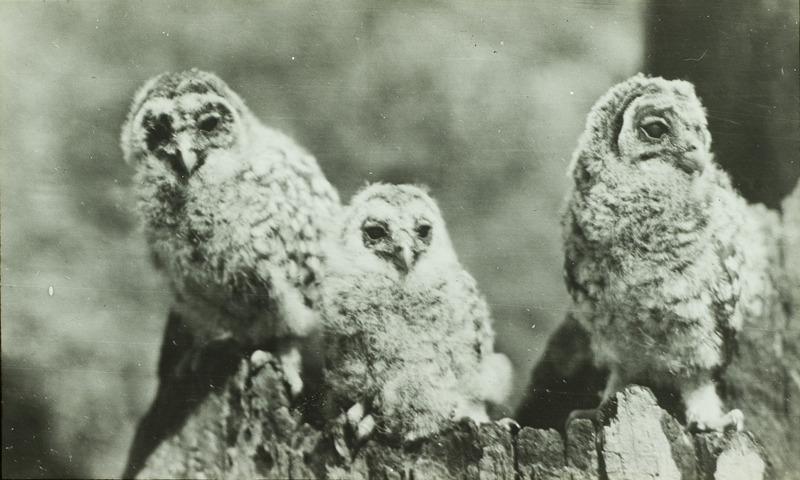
[184,158]
[403,258]
[692,160]
[188,156]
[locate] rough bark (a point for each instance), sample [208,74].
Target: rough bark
[247,428]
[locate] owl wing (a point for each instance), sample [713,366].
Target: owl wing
[731,223]
[472,313]
[749,265]
[583,279]
[494,372]
[297,205]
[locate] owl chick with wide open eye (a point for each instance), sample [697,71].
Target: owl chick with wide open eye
[185,143]
[396,227]
[401,245]
[183,121]
[410,343]
[652,252]
[667,129]
[235,213]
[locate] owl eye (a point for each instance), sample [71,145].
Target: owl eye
[208,123]
[158,132]
[423,231]
[375,232]
[655,128]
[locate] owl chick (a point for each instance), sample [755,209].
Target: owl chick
[653,246]
[409,338]
[233,212]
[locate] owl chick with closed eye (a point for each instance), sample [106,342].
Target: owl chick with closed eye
[654,251]
[409,338]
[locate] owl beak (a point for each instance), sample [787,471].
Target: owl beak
[403,258]
[185,159]
[187,153]
[693,159]
[189,159]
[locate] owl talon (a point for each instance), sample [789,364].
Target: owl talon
[584,413]
[294,382]
[731,421]
[361,425]
[339,440]
[510,425]
[353,425]
[291,362]
[258,359]
[734,420]
[355,414]
[365,428]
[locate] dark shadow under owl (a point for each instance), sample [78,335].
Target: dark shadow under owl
[234,213]
[664,260]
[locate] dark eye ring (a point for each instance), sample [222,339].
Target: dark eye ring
[208,123]
[158,132]
[423,231]
[655,128]
[375,232]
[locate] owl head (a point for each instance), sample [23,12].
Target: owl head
[179,120]
[394,226]
[645,119]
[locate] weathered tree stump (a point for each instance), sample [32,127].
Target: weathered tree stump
[247,428]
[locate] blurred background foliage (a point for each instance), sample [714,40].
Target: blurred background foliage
[482,101]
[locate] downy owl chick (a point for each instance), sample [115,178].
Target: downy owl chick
[409,338]
[654,253]
[234,213]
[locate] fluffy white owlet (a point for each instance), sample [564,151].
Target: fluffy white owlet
[409,338]
[233,212]
[655,246]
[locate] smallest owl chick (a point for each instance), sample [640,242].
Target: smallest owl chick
[409,338]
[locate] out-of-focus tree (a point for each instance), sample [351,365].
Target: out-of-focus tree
[742,56]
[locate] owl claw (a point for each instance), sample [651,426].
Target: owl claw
[352,424]
[259,358]
[339,440]
[294,382]
[355,414]
[731,421]
[362,425]
[584,413]
[734,420]
[509,424]
[365,428]
[291,362]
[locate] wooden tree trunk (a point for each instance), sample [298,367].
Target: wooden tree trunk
[247,429]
